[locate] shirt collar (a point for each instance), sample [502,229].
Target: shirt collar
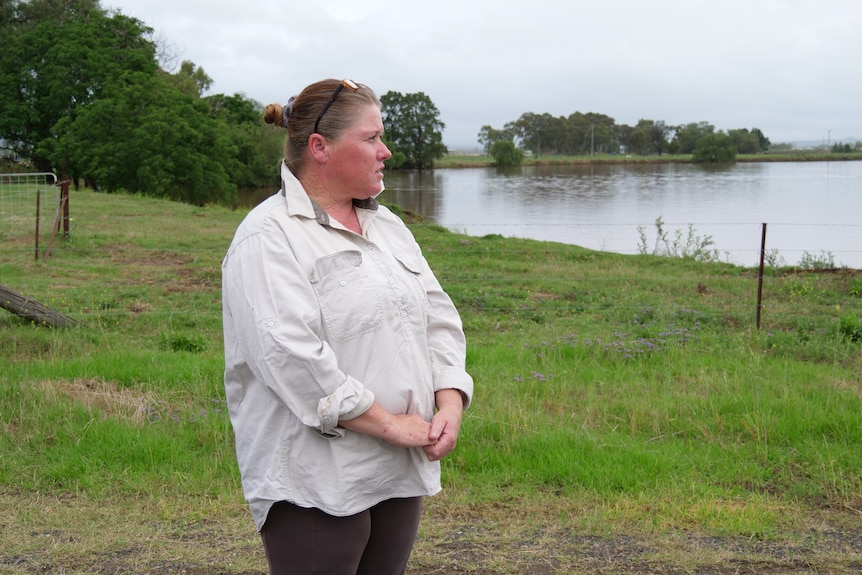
[299,203]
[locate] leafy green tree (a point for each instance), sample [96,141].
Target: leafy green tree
[762,140]
[541,133]
[413,128]
[505,154]
[745,141]
[596,135]
[146,136]
[717,148]
[488,136]
[60,57]
[256,146]
[638,142]
[686,137]
[191,79]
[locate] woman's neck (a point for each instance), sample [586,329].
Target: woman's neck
[338,208]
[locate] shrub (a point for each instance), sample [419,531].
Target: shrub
[715,148]
[505,154]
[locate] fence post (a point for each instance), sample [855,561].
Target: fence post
[38,215]
[64,195]
[760,273]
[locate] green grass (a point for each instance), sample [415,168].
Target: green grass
[615,395]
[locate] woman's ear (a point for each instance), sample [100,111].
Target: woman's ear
[319,147]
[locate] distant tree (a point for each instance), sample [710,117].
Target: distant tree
[488,136]
[745,141]
[638,141]
[659,136]
[599,138]
[686,136]
[542,133]
[762,140]
[413,128]
[505,154]
[622,133]
[191,79]
[717,148]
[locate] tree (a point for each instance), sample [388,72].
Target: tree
[191,79]
[488,136]
[505,154]
[746,142]
[413,128]
[686,137]
[762,140]
[59,57]
[256,147]
[717,148]
[146,136]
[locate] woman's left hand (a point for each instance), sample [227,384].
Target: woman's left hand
[446,424]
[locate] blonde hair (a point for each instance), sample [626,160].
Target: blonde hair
[301,112]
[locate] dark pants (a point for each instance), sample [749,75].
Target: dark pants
[377,541]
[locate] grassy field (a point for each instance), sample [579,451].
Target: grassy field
[629,417]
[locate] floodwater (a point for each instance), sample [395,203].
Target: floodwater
[812,208]
[809,207]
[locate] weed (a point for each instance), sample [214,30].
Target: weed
[824,261]
[690,246]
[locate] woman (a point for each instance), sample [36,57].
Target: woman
[344,359]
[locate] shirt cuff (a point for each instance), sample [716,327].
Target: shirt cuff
[451,377]
[350,400]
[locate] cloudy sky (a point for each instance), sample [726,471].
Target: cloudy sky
[788,67]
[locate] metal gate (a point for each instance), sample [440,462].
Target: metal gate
[32,208]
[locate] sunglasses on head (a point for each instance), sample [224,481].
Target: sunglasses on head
[344,84]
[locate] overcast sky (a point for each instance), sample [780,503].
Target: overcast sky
[788,67]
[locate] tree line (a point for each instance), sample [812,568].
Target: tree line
[91,93]
[591,133]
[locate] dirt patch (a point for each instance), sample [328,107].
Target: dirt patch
[210,548]
[106,398]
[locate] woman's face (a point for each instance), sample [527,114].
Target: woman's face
[357,156]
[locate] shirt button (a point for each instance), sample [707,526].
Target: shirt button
[343,283]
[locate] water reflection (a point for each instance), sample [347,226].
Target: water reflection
[810,207]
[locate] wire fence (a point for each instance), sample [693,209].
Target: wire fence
[30,209]
[741,243]
[16,249]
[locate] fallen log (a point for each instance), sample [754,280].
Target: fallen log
[34,311]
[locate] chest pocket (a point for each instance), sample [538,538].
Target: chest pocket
[351,304]
[410,261]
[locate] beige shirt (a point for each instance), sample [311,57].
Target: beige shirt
[318,323]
